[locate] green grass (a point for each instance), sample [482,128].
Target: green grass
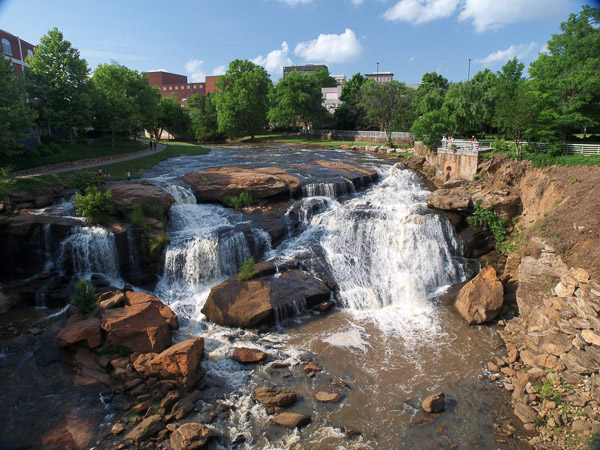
[117,170]
[545,160]
[297,139]
[64,152]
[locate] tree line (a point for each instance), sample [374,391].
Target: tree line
[559,97]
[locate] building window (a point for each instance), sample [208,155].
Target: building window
[30,53]
[182,88]
[176,88]
[164,88]
[6,47]
[170,88]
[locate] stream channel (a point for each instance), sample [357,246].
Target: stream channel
[387,338]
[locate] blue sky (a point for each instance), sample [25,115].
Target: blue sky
[198,38]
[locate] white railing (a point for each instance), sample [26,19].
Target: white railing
[569,149]
[366,134]
[458,144]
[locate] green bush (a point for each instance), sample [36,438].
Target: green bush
[84,298]
[487,217]
[94,205]
[83,179]
[244,199]
[156,244]
[248,271]
[154,211]
[136,216]
[556,149]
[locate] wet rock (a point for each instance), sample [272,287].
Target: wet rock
[35,331]
[180,363]
[113,300]
[435,403]
[126,195]
[190,436]
[271,396]
[328,397]
[184,406]
[312,367]
[421,421]
[169,399]
[146,429]
[117,428]
[247,304]
[291,420]
[72,432]
[86,331]
[414,162]
[457,199]
[138,298]
[248,355]
[340,383]
[481,299]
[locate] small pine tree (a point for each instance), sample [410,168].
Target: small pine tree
[84,298]
[247,272]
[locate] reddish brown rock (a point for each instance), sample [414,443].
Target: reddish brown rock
[247,304]
[291,420]
[181,362]
[248,355]
[72,432]
[126,195]
[328,397]
[456,199]
[147,428]
[86,331]
[137,298]
[480,300]
[312,367]
[213,184]
[435,403]
[271,396]
[113,300]
[190,436]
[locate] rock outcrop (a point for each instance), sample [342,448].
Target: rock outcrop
[248,304]
[81,329]
[190,436]
[126,195]
[481,299]
[457,199]
[272,396]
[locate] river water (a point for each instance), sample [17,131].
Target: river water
[388,339]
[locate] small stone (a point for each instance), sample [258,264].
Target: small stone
[291,420]
[564,291]
[248,355]
[190,436]
[421,421]
[35,331]
[117,428]
[312,367]
[582,275]
[328,397]
[590,337]
[493,367]
[435,403]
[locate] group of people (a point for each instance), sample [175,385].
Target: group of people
[101,175]
[448,142]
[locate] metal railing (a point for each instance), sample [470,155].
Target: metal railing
[569,149]
[366,134]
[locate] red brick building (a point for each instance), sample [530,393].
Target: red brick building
[16,50]
[174,84]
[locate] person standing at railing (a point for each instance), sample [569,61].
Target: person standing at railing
[444,142]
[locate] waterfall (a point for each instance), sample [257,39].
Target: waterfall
[330,190]
[182,195]
[90,250]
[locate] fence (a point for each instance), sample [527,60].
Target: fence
[482,146]
[362,134]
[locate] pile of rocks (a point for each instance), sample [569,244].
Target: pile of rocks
[553,361]
[373,149]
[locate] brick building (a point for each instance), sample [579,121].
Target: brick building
[174,84]
[16,50]
[308,68]
[380,77]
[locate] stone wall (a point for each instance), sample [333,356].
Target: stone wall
[449,164]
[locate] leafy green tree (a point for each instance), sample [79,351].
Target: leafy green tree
[242,101]
[431,93]
[430,128]
[17,117]
[324,79]
[84,297]
[58,78]
[485,83]
[297,100]
[350,115]
[7,184]
[566,82]
[94,205]
[171,117]
[203,117]
[385,104]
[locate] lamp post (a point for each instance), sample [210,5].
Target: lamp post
[469,73]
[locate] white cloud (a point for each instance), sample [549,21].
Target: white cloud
[194,70]
[501,56]
[275,60]
[492,14]
[544,49]
[331,48]
[357,2]
[156,70]
[295,2]
[420,11]
[219,70]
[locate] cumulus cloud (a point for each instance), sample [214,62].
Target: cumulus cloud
[331,48]
[420,11]
[295,2]
[219,70]
[501,56]
[275,60]
[493,14]
[194,70]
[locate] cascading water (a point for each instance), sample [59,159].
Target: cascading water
[90,250]
[331,190]
[182,195]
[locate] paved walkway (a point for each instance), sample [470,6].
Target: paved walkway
[86,163]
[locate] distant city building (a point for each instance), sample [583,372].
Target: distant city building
[308,68]
[173,84]
[331,98]
[413,85]
[380,77]
[16,50]
[340,79]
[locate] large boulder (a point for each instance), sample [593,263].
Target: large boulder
[181,362]
[263,299]
[291,420]
[147,428]
[272,396]
[137,298]
[79,329]
[456,199]
[480,300]
[212,184]
[141,327]
[126,195]
[359,176]
[190,436]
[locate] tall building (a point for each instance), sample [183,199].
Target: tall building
[16,50]
[380,77]
[340,79]
[173,84]
[308,68]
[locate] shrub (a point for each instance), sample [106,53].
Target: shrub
[94,205]
[83,179]
[156,244]
[154,211]
[556,149]
[244,199]
[84,298]
[136,216]
[248,271]
[487,217]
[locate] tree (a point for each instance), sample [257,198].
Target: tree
[7,183]
[324,79]
[385,104]
[242,101]
[350,115]
[171,117]
[16,116]
[484,82]
[297,100]
[566,81]
[431,93]
[203,116]
[57,78]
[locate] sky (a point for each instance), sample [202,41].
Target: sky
[201,37]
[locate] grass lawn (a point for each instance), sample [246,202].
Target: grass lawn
[117,170]
[64,152]
[294,138]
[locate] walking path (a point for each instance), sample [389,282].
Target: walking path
[86,163]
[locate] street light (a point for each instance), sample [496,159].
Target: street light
[377,68]
[469,74]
